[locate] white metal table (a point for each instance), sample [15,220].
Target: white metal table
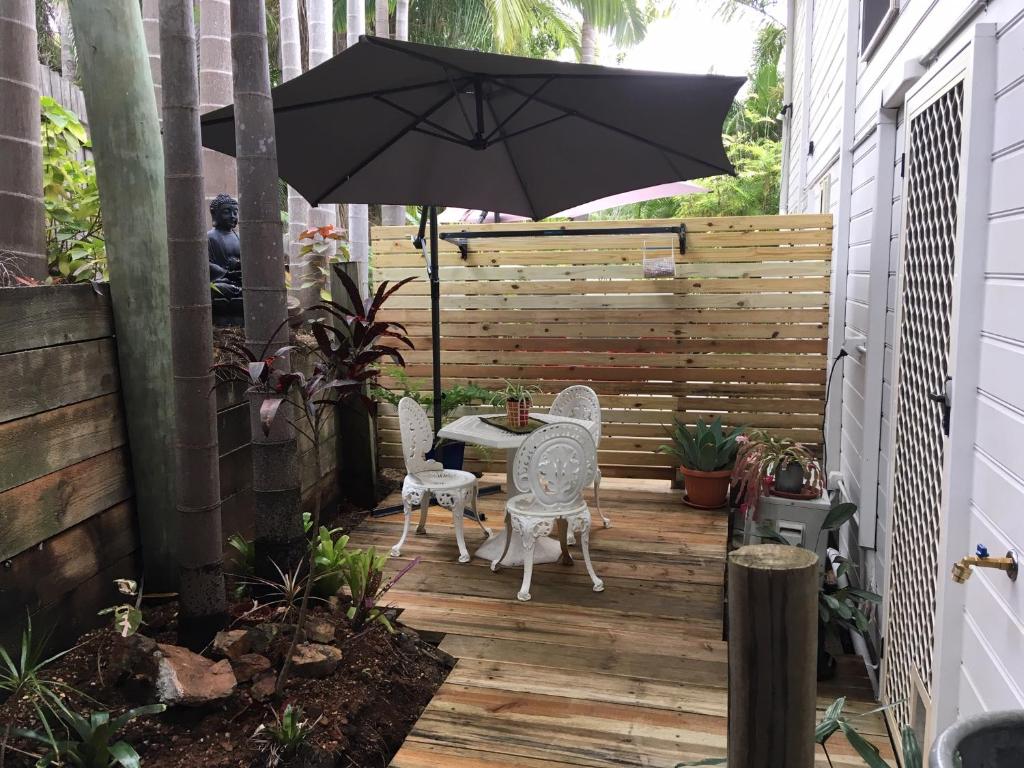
[473,429]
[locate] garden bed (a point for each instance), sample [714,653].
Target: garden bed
[361,712]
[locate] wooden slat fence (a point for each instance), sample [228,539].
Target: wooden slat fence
[741,330]
[67,517]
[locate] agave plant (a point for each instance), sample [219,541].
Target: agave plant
[706,447]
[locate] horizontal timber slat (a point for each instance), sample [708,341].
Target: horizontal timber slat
[739,332]
[49,315]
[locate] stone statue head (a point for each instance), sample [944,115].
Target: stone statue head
[224,212]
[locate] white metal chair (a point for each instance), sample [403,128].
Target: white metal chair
[580,402]
[550,470]
[425,479]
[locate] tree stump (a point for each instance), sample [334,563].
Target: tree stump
[773,630]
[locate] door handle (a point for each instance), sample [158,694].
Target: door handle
[945,399]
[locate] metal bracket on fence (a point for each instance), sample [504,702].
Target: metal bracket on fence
[461,239]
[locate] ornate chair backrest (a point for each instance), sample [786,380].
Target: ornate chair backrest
[555,463]
[417,437]
[578,402]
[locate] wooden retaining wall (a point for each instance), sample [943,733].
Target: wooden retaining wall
[67,519]
[741,330]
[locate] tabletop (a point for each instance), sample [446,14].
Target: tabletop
[472,429]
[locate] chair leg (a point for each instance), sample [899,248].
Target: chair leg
[460,535]
[476,514]
[421,529]
[495,564]
[585,546]
[563,534]
[528,545]
[396,550]
[597,501]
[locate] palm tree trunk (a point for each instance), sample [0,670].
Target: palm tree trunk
[23,233]
[320,32]
[588,41]
[390,215]
[215,90]
[402,20]
[130,172]
[276,495]
[202,605]
[358,215]
[298,208]
[68,61]
[151,27]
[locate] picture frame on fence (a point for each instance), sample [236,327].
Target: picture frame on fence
[658,265]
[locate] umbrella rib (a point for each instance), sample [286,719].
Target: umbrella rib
[437,126]
[507,136]
[517,110]
[616,129]
[512,161]
[381,149]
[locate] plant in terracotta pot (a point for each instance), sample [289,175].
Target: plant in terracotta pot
[518,399]
[706,454]
[766,463]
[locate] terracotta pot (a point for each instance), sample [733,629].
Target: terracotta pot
[517,412]
[707,489]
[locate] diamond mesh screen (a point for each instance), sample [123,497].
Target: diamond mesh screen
[933,168]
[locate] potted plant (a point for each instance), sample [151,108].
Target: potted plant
[451,453]
[764,460]
[706,455]
[518,399]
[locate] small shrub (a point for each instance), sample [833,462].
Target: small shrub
[127,617]
[283,739]
[330,560]
[365,579]
[92,747]
[705,447]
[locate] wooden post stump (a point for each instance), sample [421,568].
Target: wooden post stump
[773,631]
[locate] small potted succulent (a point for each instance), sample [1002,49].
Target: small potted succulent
[518,399]
[706,454]
[767,464]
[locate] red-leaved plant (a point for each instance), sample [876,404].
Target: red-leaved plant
[347,358]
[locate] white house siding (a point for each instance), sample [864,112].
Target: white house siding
[991,674]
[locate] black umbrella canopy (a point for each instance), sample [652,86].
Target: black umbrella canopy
[394,122]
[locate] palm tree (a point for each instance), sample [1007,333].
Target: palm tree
[215,90]
[625,20]
[202,603]
[402,20]
[390,215]
[276,498]
[22,235]
[151,27]
[320,32]
[358,214]
[298,208]
[68,60]
[130,173]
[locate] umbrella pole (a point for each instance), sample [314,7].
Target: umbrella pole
[435,317]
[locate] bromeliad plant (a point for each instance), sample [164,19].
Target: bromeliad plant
[706,447]
[365,578]
[92,747]
[283,739]
[760,457]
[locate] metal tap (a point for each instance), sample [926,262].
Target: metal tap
[981,559]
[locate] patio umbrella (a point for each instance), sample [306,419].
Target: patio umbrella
[453,215]
[394,122]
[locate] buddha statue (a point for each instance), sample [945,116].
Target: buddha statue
[225,256]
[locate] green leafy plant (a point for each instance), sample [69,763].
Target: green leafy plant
[365,579]
[24,679]
[834,721]
[317,244]
[452,398]
[760,456]
[283,738]
[330,560]
[284,592]
[705,447]
[515,391]
[92,748]
[127,616]
[74,221]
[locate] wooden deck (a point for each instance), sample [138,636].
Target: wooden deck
[633,676]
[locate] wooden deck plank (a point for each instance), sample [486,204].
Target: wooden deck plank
[633,676]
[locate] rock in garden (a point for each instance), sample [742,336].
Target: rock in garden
[133,657]
[249,665]
[187,678]
[231,644]
[261,637]
[315,659]
[264,686]
[320,630]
